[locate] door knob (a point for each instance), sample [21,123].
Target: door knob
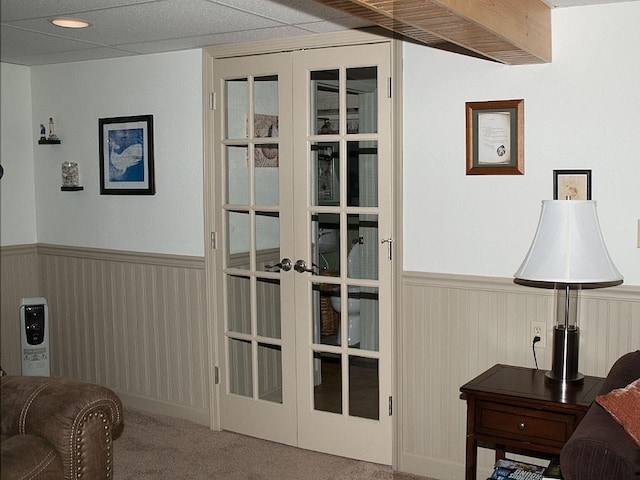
[301,266]
[285,264]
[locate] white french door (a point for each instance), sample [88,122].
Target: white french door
[303,259]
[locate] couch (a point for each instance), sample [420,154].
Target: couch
[55,428]
[601,447]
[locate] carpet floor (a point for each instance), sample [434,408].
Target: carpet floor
[156,447]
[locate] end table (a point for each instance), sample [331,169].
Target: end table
[515,408]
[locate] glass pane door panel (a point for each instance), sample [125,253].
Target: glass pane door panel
[266,153]
[265,106]
[327,395]
[326,317]
[364,388]
[240,367]
[237,107]
[239,304]
[362,174]
[325,173]
[268,311]
[362,259]
[268,235]
[270,373]
[266,174]
[325,228]
[325,101]
[364,319]
[239,238]
[362,100]
[237,161]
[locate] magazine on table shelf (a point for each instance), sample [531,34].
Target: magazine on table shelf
[506,469]
[552,472]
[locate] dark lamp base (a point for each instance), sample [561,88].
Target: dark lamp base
[551,378]
[564,366]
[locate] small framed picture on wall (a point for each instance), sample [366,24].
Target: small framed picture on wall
[572,184]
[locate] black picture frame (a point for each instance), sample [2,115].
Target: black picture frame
[572,183]
[126,155]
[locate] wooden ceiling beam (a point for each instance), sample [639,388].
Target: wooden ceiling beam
[514,32]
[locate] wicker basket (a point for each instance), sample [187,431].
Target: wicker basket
[329,318]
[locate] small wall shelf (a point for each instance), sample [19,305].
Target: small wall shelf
[48,142]
[71,189]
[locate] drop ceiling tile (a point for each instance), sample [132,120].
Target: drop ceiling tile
[288,11]
[159,20]
[18,43]
[215,39]
[71,56]
[24,9]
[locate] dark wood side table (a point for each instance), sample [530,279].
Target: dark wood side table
[514,408]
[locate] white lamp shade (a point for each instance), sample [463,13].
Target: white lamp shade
[568,246]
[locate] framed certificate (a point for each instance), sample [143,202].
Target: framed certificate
[495,137]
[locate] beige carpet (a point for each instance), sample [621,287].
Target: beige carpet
[158,447]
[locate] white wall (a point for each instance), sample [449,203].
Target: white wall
[581,112]
[168,86]
[17,193]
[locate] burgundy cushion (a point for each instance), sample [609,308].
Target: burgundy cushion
[623,404]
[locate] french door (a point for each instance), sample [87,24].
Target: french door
[303,255]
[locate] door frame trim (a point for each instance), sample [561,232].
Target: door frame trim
[350,37]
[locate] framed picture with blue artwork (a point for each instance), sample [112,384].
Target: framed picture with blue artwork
[126,155]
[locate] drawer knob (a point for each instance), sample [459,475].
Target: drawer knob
[521,426]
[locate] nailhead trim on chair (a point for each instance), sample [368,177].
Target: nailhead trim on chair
[79,466]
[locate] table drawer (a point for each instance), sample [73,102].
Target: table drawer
[524,424]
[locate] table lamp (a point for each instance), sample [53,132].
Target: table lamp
[567,253]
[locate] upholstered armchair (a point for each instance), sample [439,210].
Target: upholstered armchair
[55,428]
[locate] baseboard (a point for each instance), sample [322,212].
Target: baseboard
[436,468]
[152,405]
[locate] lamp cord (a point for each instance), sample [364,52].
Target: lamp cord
[536,339]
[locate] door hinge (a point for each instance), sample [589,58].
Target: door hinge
[216,375]
[214,241]
[212,100]
[388,87]
[390,405]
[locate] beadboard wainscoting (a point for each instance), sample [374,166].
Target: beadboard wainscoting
[135,322]
[19,279]
[454,327]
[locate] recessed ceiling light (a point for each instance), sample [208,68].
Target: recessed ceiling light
[70,23]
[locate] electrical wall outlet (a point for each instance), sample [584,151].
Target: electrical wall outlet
[539,329]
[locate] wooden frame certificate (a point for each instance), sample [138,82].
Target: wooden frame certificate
[495,137]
